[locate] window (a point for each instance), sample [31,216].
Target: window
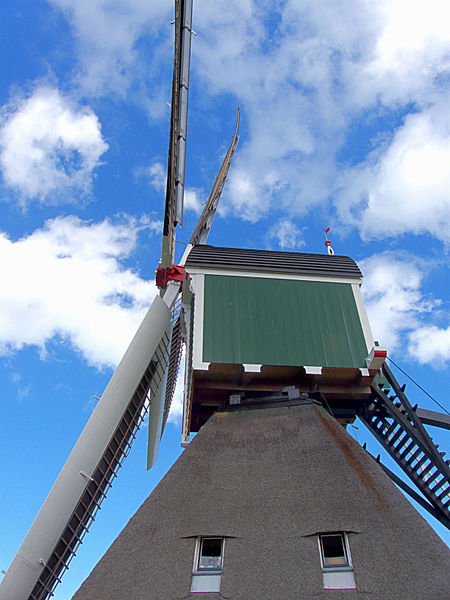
[210,555]
[208,561]
[337,568]
[334,552]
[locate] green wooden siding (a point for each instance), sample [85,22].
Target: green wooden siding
[281,322]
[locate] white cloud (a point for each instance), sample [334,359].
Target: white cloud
[411,50]
[281,100]
[49,148]
[107,33]
[400,312]
[302,72]
[410,28]
[405,187]
[430,344]
[192,200]
[157,175]
[393,297]
[152,225]
[243,195]
[287,234]
[66,281]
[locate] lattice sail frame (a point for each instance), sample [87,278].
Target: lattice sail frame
[104,474]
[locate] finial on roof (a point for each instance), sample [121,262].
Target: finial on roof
[330,250]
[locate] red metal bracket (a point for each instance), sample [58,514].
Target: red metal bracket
[173,273]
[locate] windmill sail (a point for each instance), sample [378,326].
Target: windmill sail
[87,475]
[176,347]
[173,213]
[201,231]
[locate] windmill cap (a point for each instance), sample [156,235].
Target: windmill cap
[244,259]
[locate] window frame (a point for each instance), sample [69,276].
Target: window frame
[348,566]
[197,570]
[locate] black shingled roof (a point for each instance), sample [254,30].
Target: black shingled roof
[242,259]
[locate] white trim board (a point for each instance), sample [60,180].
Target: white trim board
[262,275]
[364,320]
[198,283]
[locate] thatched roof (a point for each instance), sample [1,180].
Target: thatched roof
[269,480]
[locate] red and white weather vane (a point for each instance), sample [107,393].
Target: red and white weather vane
[330,250]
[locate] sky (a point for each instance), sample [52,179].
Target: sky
[344,124]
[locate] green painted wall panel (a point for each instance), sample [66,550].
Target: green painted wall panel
[281,322]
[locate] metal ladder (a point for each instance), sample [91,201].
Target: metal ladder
[398,428]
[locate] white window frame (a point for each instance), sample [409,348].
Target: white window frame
[206,579]
[338,577]
[346,567]
[197,554]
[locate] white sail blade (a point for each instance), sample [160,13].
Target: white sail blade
[87,474]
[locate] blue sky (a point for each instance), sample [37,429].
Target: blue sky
[344,124]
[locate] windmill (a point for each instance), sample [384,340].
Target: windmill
[253,392]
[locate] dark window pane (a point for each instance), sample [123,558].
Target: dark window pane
[212,547]
[210,554]
[333,550]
